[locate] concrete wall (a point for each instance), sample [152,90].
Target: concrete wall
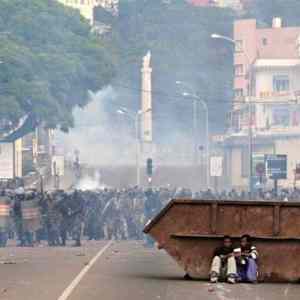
[290,147]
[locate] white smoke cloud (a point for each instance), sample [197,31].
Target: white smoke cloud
[98,137]
[91,183]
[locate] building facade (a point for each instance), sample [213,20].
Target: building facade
[265,116]
[86,7]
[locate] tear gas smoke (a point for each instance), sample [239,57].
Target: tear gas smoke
[101,135]
[91,183]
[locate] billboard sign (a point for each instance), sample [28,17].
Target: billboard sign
[6,161]
[216,166]
[276,166]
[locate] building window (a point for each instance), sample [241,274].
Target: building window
[239,46]
[281,83]
[238,93]
[239,70]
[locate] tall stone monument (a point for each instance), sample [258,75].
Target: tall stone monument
[146,105]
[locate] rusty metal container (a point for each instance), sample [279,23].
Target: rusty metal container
[190,230]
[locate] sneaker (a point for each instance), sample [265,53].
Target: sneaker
[187,277]
[231,279]
[213,277]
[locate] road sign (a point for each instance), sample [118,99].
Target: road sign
[216,166]
[276,166]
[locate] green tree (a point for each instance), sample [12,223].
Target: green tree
[50,59]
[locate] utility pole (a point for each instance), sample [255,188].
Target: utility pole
[195,130]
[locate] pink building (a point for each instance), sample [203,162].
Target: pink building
[267,79]
[256,45]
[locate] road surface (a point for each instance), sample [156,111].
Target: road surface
[113,271]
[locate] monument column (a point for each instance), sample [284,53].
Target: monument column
[146,106]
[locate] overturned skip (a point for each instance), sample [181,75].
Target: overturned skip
[190,230]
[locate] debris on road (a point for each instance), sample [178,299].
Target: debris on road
[80,254]
[8,262]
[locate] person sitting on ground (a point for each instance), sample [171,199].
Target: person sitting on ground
[246,259]
[224,265]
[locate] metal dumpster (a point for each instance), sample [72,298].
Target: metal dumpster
[190,230]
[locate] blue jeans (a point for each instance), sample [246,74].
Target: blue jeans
[248,272]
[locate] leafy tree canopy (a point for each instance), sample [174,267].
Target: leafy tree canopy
[50,59]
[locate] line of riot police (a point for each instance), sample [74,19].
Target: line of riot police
[31,217]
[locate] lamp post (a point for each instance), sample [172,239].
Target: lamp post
[250,131]
[195,120]
[197,99]
[135,117]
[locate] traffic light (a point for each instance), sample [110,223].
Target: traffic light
[149,167]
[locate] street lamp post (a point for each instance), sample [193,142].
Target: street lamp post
[135,117]
[197,99]
[195,121]
[250,130]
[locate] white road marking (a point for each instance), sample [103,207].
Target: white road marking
[68,291]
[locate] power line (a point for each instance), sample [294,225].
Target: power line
[177,97]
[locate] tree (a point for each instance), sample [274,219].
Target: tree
[50,59]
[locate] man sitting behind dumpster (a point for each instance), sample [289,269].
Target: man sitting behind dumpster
[246,259]
[224,265]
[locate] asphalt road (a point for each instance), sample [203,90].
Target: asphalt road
[122,271]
